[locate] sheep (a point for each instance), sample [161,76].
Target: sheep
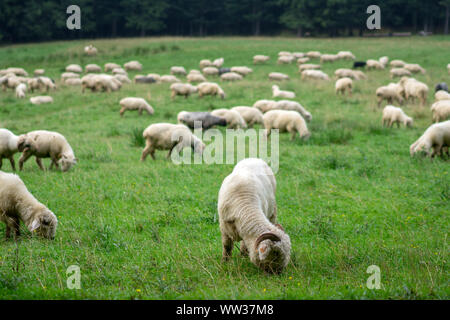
[8,147]
[233,118]
[231,76]
[413,88]
[105,82]
[194,77]
[298,55]
[11,82]
[218,62]
[41,99]
[75,68]
[359,64]
[68,75]
[248,213]
[390,93]
[119,71]
[278,76]
[307,66]
[178,71]
[286,120]
[132,103]
[182,89]
[292,106]
[242,70]
[46,144]
[41,83]
[90,50]
[93,68]
[210,88]
[302,60]
[344,84]
[397,63]
[384,61]
[399,72]
[210,71]
[205,63]
[155,76]
[315,75]
[39,72]
[194,71]
[440,110]
[15,71]
[374,64]
[277,93]
[224,70]
[20,90]
[313,54]
[433,140]
[122,78]
[18,204]
[441,86]
[167,136]
[110,66]
[359,75]
[284,53]
[328,58]
[133,65]
[285,59]
[346,55]
[73,82]
[260,59]
[349,73]
[169,79]
[448,68]
[88,81]
[265,105]
[442,95]
[414,68]
[205,119]
[250,115]
[144,79]
[393,115]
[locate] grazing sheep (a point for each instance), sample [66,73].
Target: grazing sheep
[144,79]
[105,82]
[90,50]
[374,64]
[293,106]
[248,213]
[265,105]
[210,71]
[92,68]
[278,76]
[396,115]
[46,144]
[413,88]
[414,68]
[233,118]
[20,90]
[440,110]
[313,54]
[328,58]
[18,204]
[73,82]
[210,88]
[205,63]
[218,62]
[285,59]
[68,75]
[399,72]
[41,99]
[359,64]
[195,77]
[298,55]
[42,83]
[231,76]
[39,72]
[133,65]
[242,70]
[286,121]
[284,53]
[433,140]
[260,59]
[167,136]
[119,71]
[349,73]
[110,66]
[346,55]
[88,82]
[75,68]
[178,71]
[122,78]
[302,60]
[384,61]
[182,89]
[442,95]
[169,79]
[441,86]
[205,119]
[132,103]
[315,75]
[397,63]
[391,93]
[8,147]
[250,115]
[11,81]
[307,66]
[277,93]
[194,71]
[343,85]
[15,71]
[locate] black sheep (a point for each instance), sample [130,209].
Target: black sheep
[441,86]
[359,64]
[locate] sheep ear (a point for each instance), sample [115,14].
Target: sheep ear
[35,224]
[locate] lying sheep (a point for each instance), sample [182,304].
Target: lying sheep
[182,89]
[285,59]
[413,88]
[260,59]
[15,71]
[307,66]
[298,55]
[8,147]
[315,75]
[204,119]
[210,71]
[313,54]
[195,77]
[396,115]
[242,70]
[167,136]
[178,71]
[293,106]
[277,93]
[144,79]
[20,90]
[284,53]
[374,64]
[349,73]
[346,55]
[218,62]
[397,63]
[264,105]
[286,121]
[248,213]
[433,140]
[133,65]
[231,76]
[110,66]
[75,68]
[169,79]
[224,70]
[233,118]
[250,115]
[278,76]
[92,68]
[132,103]
[210,88]
[344,85]
[442,95]
[399,72]
[414,68]
[90,50]
[105,82]
[441,86]
[46,144]
[41,99]
[440,110]
[18,204]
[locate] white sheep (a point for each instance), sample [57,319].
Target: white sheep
[328,58]
[210,88]
[119,71]
[133,65]
[75,68]
[73,82]
[93,68]
[168,79]
[293,106]
[167,136]
[298,55]
[346,55]
[391,93]
[16,71]
[399,72]
[233,118]
[110,66]
[374,64]
[218,62]
[132,103]
[248,213]
[231,76]
[285,59]
[155,76]
[277,93]
[122,78]
[260,58]
[39,72]
[8,147]
[210,71]
[46,144]
[396,115]
[250,115]
[20,90]
[278,76]
[195,77]
[397,63]
[349,73]
[242,70]
[42,83]
[414,68]
[313,54]
[18,204]
[177,70]
[308,66]
[440,110]
[41,99]
[286,121]
[413,88]
[205,63]
[433,140]
[265,105]
[284,53]
[302,60]
[105,82]
[68,75]
[90,50]
[344,85]
[442,95]
[182,89]
[315,75]
[384,61]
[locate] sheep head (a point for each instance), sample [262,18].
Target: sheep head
[44,223]
[66,162]
[23,143]
[271,253]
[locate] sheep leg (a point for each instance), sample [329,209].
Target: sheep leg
[293,134]
[39,163]
[122,111]
[54,163]
[268,131]
[8,231]
[17,226]
[25,156]
[140,111]
[13,164]
[398,124]
[148,150]
[244,249]
[227,244]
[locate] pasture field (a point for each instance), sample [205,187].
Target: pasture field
[350,197]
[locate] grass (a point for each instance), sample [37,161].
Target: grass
[349,198]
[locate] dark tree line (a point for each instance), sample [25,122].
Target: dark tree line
[34,20]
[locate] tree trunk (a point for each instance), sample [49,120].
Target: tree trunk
[114,28]
[447,15]
[299,32]
[142,32]
[257,28]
